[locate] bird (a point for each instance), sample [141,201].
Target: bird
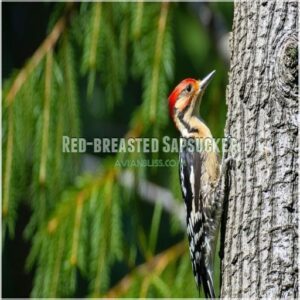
[199,173]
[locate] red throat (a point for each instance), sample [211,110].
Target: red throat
[178,89]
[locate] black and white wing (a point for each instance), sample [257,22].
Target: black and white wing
[196,186]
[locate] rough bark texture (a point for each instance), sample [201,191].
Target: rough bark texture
[261,235]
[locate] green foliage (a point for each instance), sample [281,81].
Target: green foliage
[153,59]
[86,227]
[105,47]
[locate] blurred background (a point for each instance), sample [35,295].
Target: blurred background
[77,225]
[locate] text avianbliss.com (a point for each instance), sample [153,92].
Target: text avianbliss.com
[144,145]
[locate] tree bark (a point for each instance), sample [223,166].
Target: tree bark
[261,223]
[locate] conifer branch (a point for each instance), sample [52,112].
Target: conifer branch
[8,162]
[157,58]
[37,57]
[106,234]
[63,209]
[92,60]
[46,118]
[99,269]
[145,287]
[77,225]
[70,87]
[154,266]
[59,257]
[58,139]
[139,18]
[95,34]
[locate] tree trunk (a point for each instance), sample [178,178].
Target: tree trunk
[261,223]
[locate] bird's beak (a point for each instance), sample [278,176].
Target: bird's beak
[206,80]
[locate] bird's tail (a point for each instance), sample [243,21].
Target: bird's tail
[207,281]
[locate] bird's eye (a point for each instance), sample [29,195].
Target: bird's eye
[188,88]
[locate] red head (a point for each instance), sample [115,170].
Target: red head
[185,89]
[186,94]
